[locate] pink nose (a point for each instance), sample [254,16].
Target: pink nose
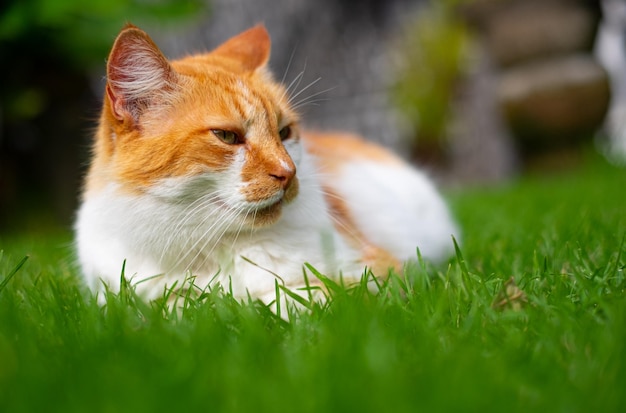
[284,173]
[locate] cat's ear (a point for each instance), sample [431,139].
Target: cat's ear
[137,74]
[251,49]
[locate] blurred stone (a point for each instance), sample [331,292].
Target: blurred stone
[520,30]
[549,91]
[554,100]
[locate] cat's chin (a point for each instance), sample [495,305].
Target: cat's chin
[265,216]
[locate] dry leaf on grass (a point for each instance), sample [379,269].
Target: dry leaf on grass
[510,298]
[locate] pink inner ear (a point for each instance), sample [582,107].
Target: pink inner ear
[250,48]
[117,105]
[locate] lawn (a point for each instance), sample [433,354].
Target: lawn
[444,338]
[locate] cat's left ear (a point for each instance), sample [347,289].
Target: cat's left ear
[138,75]
[251,49]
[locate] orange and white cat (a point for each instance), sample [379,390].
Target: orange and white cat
[199,167]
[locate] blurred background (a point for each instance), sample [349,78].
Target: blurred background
[476,91]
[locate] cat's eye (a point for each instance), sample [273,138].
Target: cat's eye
[227,136]
[285,133]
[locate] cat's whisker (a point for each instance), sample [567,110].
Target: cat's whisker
[188,213]
[309,99]
[314,215]
[314,102]
[225,226]
[304,89]
[199,205]
[254,228]
[199,247]
[293,52]
[355,235]
[219,238]
[220,226]
[186,251]
[241,225]
[202,252]
[296,80]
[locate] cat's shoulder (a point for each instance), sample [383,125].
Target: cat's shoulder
[335,148]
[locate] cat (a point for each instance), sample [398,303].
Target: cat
[199,167]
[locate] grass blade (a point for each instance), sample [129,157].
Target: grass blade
[328,283]
[297,298]
[14,271]
[278,309]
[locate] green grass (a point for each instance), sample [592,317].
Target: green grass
[435,342]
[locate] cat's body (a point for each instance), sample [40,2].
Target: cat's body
[199,167]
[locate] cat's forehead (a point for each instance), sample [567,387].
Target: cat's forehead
[209,71]
[244,97]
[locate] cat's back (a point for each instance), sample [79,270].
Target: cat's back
[380,199]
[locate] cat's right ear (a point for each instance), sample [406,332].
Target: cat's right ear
[137,75]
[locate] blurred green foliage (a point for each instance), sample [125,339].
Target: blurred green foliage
[84,30]
[51,50]
[435,48]
[78,33]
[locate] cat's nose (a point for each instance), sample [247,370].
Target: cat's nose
[283,172]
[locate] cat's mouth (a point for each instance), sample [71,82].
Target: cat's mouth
[266,211]
[257,213]
[265,214]
[270,208]
[268,203]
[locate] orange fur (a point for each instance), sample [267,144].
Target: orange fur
[335,149]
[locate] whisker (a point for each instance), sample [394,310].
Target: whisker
[293,52]
[314,102]
[222,230]
[223,226]
[291,98]
[338,222]
[183,255]
[295,81]
[202,203]
[189,211]
[254,220]
[228,223]
[241,225]
[308,99]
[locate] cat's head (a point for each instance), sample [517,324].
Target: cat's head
[212,128]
